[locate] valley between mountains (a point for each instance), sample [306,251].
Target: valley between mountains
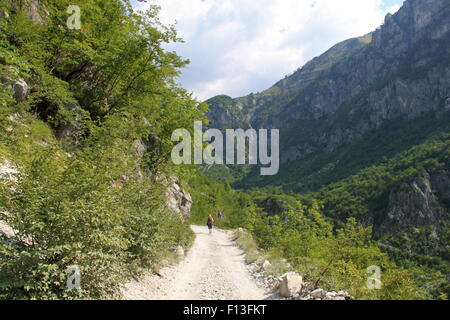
[92,205]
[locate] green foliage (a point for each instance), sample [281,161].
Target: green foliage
[93,211]
[92,200]
[365,196]
[362,191]
[278,226]
[89,199]
[229,208]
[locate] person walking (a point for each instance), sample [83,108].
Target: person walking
[209,223]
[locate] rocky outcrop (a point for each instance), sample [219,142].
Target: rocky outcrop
[388,79]
[34,9]
[416,205]
[6,231]
[36,12]
[19,88]
[416,215]
[178,200]
[246,111]
[226,113]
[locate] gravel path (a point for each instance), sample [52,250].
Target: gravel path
[213,269]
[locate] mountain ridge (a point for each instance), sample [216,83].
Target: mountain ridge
[383,78]
[367,136]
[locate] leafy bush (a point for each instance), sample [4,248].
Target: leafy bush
[83,211]
[92,199]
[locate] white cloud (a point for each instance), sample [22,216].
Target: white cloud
[242,46]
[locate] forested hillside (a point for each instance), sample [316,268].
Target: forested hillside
[86,119]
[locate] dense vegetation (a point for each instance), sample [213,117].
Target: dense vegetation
[84,194]
[357,180]
[357,206]
[286,228]
[367,196]
[319,169]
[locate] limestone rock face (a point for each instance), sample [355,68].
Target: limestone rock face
[8,171]
[21,90]
[34,9]
[36,12]
[178,200]
[416,204]
[6,231]
[399,71]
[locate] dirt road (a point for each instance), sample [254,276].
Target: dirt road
[213,269]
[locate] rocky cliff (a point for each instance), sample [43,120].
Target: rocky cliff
[415,204]
[399,72]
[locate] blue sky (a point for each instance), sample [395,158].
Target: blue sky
[242,46]
[390,3]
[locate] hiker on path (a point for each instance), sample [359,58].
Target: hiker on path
[209,223]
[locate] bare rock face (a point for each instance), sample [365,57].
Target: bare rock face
[21,90]
[414,204]
[139,147]
[6,231]
[399,71]
[291,283]
[36,12]
[34,9]
[178,200]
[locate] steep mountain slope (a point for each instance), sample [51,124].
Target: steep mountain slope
[365,129]
[378,85]
[253,109]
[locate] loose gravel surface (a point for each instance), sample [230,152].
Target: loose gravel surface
[213,269]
